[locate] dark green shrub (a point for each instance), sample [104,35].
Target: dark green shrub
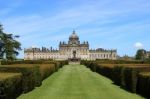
[92,66]
[107,61]
[104,70]
[31,75]
[10,85]
[88,64]
[46,70]
[5,62]
[143,86]
[50,67]
[130,75]
[124,75]
[117,74]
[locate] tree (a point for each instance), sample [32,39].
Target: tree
[140,54]
[1,43]
[11,46]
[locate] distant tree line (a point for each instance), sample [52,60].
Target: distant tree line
[9,46]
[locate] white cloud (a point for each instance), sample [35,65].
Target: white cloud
[138,45]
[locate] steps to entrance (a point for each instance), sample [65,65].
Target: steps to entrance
[74,63]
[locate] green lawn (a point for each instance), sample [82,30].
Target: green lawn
[78,82]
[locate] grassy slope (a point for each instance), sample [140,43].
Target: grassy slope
[78,82]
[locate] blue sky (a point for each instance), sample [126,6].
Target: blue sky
[118,24]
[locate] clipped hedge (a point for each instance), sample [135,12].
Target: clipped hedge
[5,62]
[125,75]
[31,75]
[46,70]
[105,69]
[130,76]
[10,85]
[89,64]
[144,84]
[108,61]
[117,75]
[58,64]
[33,72]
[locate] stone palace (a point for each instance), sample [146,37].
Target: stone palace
[66,51]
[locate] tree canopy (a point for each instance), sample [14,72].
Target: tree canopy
[10,46]
[140,54]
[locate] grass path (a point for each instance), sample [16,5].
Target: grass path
[78,82]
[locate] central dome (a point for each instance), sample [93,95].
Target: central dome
[73,35]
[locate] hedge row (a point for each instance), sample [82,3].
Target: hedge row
[144,84]
[129,76]
[46,70]
[104,69]
[32,74]
[125,75]
[108,61]
[10,85]
[5,62]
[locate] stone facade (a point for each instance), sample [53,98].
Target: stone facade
[66,51]
[147,54]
